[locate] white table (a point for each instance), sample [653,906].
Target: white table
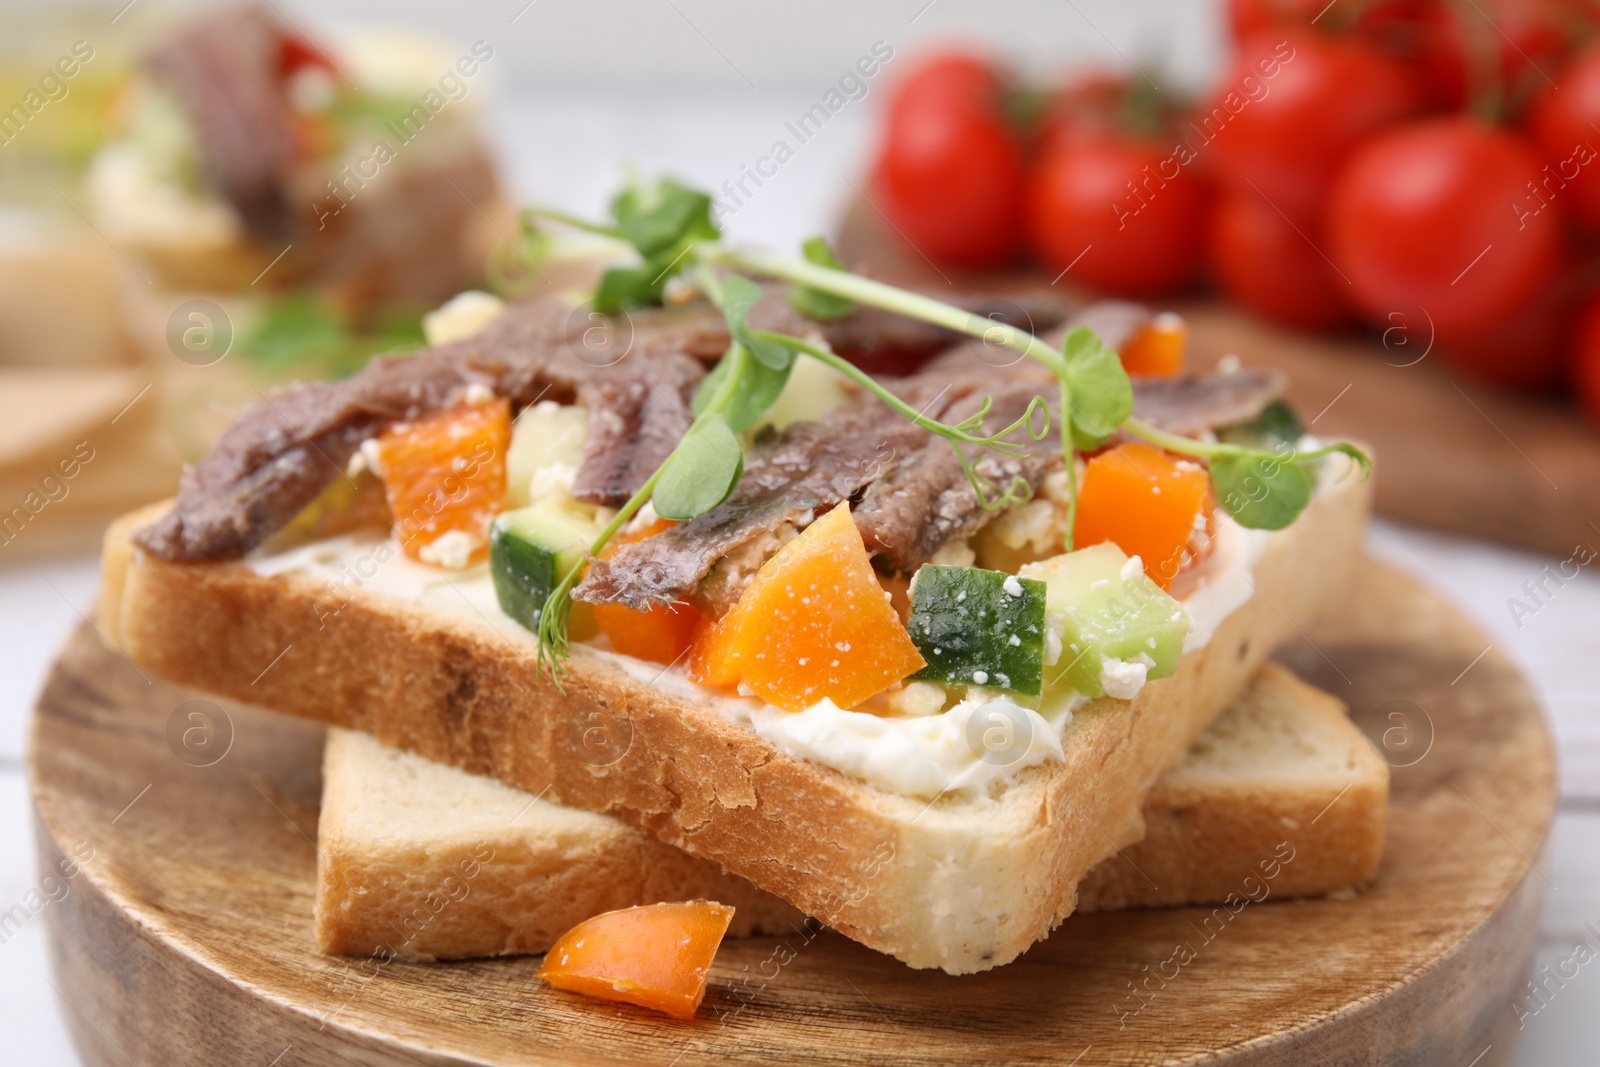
[706,139]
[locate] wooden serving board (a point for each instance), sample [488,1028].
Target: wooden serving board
[1454,453]
[186,936]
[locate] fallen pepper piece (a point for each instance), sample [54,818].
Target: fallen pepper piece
[656,956]
[1158,349]
[813,623]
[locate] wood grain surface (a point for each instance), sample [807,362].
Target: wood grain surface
[185,936]
[1456,454]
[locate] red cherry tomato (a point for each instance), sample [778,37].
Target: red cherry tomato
[1292,106]
[1563,121]
[1459,53]
[1091,101]
[1272,267]
[296,54]
[1426,214]
[950,170]
[947,77]
[1122,213]
[1586,359]
[1245,17]
[1526,349]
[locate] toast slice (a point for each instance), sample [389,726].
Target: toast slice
[420,861]
[1283,775]
[958,883]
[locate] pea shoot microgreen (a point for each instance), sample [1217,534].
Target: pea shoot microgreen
[1259,476]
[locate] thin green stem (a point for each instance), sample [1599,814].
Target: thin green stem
[871,384]
[558,605]
[710,284]
[1019,487]
[1189,446]
[577,222]
[1070,467]
[1172,442]
[916,306]
[889,298]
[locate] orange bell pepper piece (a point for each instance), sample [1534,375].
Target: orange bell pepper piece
[447,472]
[656,956]
[711,659]
[660,635]
[1159,348]
[1145,501]
[813,623]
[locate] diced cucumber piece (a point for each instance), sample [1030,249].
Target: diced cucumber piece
[544,435]
[978,627]
[1114,620]
[531,550]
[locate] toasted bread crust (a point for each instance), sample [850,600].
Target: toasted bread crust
[959,885]
[503,873]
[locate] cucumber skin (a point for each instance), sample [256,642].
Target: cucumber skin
[523,573]
[960,637]
[1103,613]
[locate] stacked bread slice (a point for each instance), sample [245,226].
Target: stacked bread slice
[961,883]
[420,861]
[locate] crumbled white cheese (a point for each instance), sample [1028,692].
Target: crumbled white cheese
[1123,679]
[552,480]
[916,699]
[1054,624]
[461,316]
[1012,586]
[451,550]
[1132,569]
[980,677]
[1013,640]
[371,457]
[644,518]
[679,290]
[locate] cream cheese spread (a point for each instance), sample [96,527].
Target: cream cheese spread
[984,739]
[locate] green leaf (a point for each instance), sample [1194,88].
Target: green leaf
[661,220]
[1276,425]
[307,336]
[703,470]
[761,389]
[739,295]
[623,287]
[1261,490]
[661,217]
[814,303]
[1101,394]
